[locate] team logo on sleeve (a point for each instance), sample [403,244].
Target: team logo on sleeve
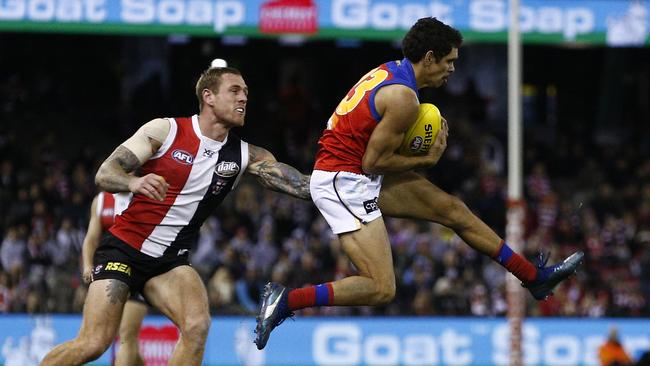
[183,157]
[218,185]
[227,169]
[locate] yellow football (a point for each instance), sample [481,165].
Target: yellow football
[420,136]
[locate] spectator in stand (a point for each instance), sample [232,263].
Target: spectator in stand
[221,293]
[13,253]
[612,353]
[5,293]
[205,257]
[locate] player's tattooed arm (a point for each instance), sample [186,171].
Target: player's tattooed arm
[113,174]
[116,174]
[277,176]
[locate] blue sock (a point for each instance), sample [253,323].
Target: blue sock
[323,294]
[503,254]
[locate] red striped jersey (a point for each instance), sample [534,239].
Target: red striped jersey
[110,205]
[344,141]
[200,173]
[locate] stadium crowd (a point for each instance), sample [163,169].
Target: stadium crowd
[580,194]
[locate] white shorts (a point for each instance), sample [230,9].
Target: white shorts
[346,199]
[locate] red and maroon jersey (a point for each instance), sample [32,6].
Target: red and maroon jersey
[110,205]
[344,141]
[200,173]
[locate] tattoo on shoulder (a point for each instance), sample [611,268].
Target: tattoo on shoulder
[257,153]
[125,159]
[117,291]
[252,153]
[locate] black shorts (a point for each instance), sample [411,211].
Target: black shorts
[115,259]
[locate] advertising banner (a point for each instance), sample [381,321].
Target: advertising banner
[349,341]
[611,22]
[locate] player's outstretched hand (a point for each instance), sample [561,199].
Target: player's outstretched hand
[440,143]
[151,185]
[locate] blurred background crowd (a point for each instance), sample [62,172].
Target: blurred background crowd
[587,171]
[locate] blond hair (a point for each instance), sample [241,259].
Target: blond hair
[210,80]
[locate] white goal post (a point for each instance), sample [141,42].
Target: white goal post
[515,208]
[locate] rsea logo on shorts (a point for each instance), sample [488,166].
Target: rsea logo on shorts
[371,205]
[120,267]
[183,157]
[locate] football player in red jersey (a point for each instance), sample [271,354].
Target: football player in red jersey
[357,160]
[188,166]
[104,208]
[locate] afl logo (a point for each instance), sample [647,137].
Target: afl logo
[416,143]
[227,169]
[183,157]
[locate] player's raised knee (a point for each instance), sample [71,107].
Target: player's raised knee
[385,294]
[455,212]
[458,206]
[197,327]
[93,348]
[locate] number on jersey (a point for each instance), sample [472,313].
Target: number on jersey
[367,83]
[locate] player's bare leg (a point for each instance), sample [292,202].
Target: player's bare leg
[129,352]
[410,195]
[101,319]
[180,295]
[369,250]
